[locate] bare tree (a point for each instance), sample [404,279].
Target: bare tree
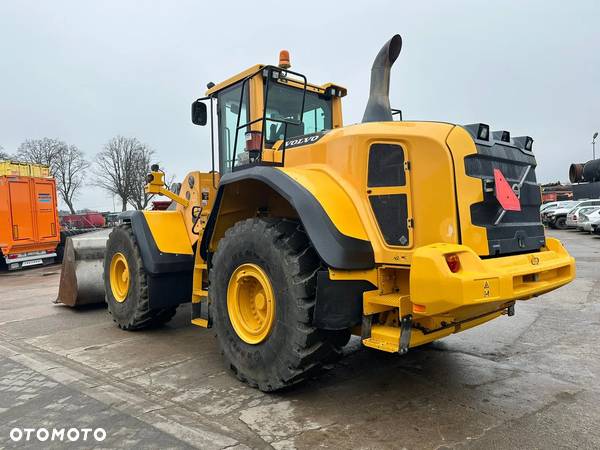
[141,166]
[66,163]
[40,151]
[119,169]
[68,170]
[4,155]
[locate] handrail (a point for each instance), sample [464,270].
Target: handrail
[269,71]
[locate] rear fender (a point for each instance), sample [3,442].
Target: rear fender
[252,191]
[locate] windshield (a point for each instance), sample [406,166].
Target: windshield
[285,102]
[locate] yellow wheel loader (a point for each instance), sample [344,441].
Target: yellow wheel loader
[399,232]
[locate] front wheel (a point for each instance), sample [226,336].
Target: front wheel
[262,289]
[126,284]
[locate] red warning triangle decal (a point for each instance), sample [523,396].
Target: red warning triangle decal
[504,193]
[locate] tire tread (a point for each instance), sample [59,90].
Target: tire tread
[311,348]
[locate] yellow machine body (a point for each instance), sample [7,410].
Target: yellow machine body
[400,232]
[411,280]
[451,268]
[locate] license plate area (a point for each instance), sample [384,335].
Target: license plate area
[33,262]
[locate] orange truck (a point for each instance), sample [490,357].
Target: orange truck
[29,226]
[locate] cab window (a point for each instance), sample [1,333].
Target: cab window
[228,109]
[285,103]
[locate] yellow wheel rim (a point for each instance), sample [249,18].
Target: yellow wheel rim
[251,303]
[119,277]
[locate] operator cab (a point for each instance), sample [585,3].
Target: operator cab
[261,109]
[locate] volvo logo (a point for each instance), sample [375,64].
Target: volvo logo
[304,140]
[535,260]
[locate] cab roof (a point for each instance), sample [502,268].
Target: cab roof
[255,69]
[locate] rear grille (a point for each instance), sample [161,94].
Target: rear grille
[517,231]
[391,212]
[387,180]
[386,166]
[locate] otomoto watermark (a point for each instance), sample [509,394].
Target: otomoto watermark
[57,434]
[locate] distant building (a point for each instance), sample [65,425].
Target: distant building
[553,192]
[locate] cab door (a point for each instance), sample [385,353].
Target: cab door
[21,211]
[45,205]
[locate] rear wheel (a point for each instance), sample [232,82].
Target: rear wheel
[262,289]
[126,284]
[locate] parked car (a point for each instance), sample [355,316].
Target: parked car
[573,219]
[548,205]
[588,219]
[552,206]
[556,217]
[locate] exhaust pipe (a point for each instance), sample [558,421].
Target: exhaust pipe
[378,107]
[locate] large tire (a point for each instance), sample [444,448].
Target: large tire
[134,312]
[294,349]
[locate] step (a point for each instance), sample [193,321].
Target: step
[200,292]
[374,303]
[200,322]
[384,338]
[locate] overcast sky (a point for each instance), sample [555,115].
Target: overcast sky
[86,71]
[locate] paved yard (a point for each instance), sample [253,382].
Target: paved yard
[528,381]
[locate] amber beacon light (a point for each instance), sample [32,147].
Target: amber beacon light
[284,59]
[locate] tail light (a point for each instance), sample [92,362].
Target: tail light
[419,308]
[453,263]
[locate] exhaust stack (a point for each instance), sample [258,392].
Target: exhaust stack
[378,107]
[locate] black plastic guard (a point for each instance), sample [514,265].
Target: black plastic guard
[339,303]
[169,275]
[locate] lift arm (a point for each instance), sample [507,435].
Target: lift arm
[156,185]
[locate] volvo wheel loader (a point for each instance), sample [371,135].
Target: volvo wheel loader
[399,232]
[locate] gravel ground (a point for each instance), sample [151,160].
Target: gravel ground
[528,381]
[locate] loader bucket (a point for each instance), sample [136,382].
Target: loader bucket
[81,277]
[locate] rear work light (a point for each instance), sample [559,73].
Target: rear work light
[253,141]
[453,263]
[483,132]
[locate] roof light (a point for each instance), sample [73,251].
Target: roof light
[284,59]
[524,142]
[479,131]
[528,143]
[483,132]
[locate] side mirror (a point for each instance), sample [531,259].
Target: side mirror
[199,115]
